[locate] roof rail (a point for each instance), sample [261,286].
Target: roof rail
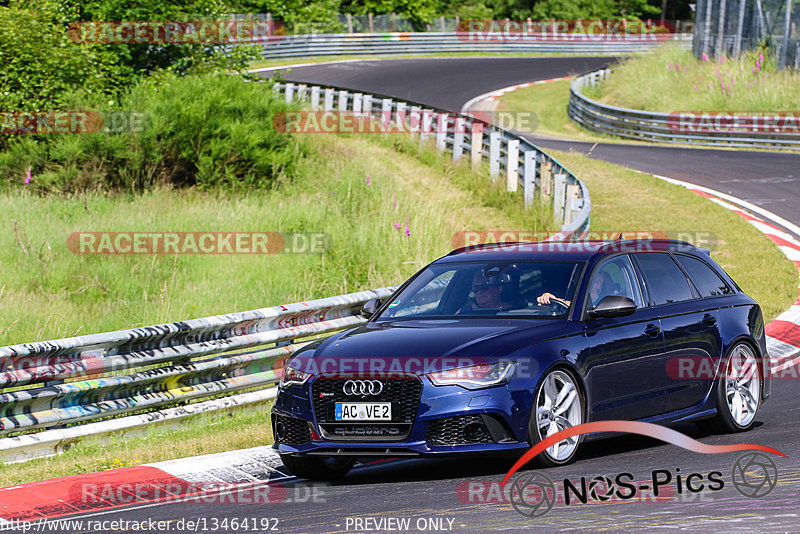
[627,242]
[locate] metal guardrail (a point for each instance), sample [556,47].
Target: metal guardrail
[523,164]
[175,362]
[661,127]
[292,46]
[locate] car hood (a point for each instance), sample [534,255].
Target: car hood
[432,343]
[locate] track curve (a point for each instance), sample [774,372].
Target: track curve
[439,489]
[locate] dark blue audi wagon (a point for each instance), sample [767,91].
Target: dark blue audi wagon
[492,348]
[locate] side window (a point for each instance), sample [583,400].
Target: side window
[705,279]
[665,280]
[426,300]
[614,277]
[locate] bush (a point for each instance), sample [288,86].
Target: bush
[207,131]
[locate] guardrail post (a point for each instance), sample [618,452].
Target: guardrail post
[494,155]
[315,97]
[328,99]
[476,149]
[512,165]
[302,90]
[289,92]
[442,121]
[400,117]
[427,125]
[386,112]
[367,106]
[559,197]
[459,130]
[546,178]
[342,100]
[358,99]
[572,203]
[529,179]
[415,120]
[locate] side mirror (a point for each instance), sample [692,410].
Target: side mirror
[613,306]
[370,307]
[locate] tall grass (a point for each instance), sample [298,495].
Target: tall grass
[671,79]
[47,291]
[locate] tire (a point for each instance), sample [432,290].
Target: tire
[558,386]
[318,467]
[738,393]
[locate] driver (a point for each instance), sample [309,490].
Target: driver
[488,293]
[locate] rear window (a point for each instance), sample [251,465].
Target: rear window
[707,282]
[665,280]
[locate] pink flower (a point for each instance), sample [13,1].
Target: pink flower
[704,57]
[748,84]
[761,57]
[28,177]
[722,59]
[397,226]
[408,230]
[368,180]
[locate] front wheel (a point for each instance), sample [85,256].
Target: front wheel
[738,393]
[318,467]
[558,404]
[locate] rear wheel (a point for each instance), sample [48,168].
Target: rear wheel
[738,393]
[558,404]
[318,467]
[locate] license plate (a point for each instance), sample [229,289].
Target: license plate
[363,411]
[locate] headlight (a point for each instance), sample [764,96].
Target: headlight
[475,376]
[293,377]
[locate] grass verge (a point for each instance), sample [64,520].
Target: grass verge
[353,190]
[671,79]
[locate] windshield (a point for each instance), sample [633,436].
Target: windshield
[495,288]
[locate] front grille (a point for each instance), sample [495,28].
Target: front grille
[403,393]
[461,430]
[290,430]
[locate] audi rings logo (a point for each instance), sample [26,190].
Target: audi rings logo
[362,387]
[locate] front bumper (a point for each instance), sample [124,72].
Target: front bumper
[445,420]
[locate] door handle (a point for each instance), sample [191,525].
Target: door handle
[652,330]
[709,319]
